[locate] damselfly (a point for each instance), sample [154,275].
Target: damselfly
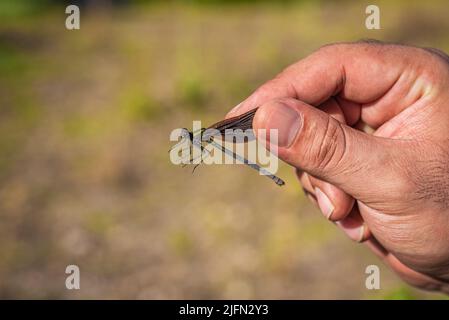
[241,123]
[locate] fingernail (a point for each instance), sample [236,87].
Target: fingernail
[324,203]
[357,234]
[287,121]
[361,233]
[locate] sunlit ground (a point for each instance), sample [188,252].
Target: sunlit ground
[85,176]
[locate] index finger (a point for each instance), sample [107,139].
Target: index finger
[362,73]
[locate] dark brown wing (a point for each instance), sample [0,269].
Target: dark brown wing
[243,121]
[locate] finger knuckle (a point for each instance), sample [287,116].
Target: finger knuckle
[438,54]
[330,147]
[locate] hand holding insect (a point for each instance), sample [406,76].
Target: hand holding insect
[366,126]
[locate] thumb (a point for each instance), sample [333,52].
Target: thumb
[363,165]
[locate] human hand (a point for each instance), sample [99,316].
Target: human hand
[366,125]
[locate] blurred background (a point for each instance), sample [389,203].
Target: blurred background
[85,176]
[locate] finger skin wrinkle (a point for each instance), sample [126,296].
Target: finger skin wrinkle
[342,80]
[327,146]
[390,103]
[332,148]
[419,88]
[432,183]
[292,90]
[344,143]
